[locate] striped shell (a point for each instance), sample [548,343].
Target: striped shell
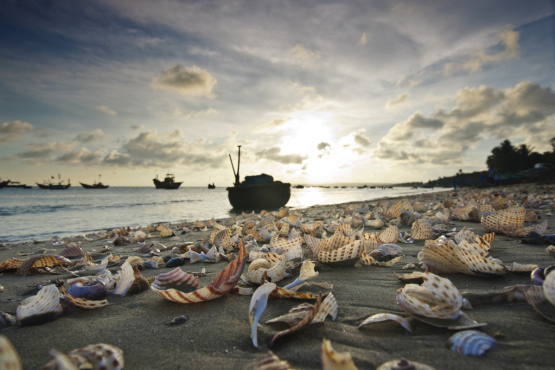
[84,303]
[6,320]
[335,360]
[9,358]
[421,230]
[222,284]
[389,235]
[272,362]
[471,342]
[437,298]
[43,307]
[174,277]
[73,252]
[94,356]
[41,261]
[346,255]
[273,266]
[381,317]
[11,264]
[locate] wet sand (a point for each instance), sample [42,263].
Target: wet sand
[216,334]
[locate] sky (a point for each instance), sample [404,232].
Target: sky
[315,92]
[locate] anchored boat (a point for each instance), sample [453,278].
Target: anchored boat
[168,183]
[53,186]
[96,185]
[257,192]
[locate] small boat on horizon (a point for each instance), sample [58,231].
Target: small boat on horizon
[96,185]
[211,186]
[52,186]
[4,183]
[169,182]
[257,192]
[17,185]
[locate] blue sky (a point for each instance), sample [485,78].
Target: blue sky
[314,91]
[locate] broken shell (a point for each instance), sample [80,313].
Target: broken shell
[347,255]
[6,320]
[381,317]
[421,230]
[93,290]
[404,364]
[258,304]
[272,362]
[94,356]
[175,277]
[43,307]
[9,358]
[125,280]
[471,342]
[175,262]
[41,261]
[177,320]
[332,360]
[84,303]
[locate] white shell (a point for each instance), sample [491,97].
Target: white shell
[45,306]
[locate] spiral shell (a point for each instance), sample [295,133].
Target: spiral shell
[471,342]
[43,307]
[273,266]
[93,356]
[174,277]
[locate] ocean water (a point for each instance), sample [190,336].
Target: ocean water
[38,214]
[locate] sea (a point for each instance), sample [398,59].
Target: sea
[38,214]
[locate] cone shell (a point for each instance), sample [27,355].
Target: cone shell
[332,360]
[471,342]
[421,230]
[43,307]
[436,298]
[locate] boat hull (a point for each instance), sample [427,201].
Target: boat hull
[166,185]
[53,187]
[258,197]
[94,186]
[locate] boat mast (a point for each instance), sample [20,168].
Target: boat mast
[238,164]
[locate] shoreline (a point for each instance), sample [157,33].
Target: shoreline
[216,333]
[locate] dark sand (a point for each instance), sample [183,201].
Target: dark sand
[216,334]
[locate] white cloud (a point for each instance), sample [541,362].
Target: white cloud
[363,39]
[195,114]
[273,154]
[190,81]
[107,110]
[95,135]
[303,55]
[401,100]
[10,131]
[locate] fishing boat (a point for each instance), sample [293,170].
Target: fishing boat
[96,185]
[257,192]
[53,186]
[211,186]
[168,183]
[17,185]
[4,183]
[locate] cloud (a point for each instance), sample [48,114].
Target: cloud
[41,153]
[525,111]
[195,114]
[10,131]
[136,127]
[363,39]
[398,101]
[273,125]
[81,156]
[509,39]
[273,154]
[87,137]
[323,146]
[190,81]
[303,55]
[107,110]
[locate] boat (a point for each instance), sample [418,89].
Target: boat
[4,183]
[257,192]
[211,186]
[52,186]
[17,185]
[96,185]
[168,183]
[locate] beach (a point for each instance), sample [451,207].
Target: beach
[216,333]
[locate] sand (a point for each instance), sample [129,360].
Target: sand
[216,334]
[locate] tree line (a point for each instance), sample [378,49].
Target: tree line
[507,158]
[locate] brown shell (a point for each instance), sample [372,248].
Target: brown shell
[165,232]
[272,362]
[284,293]
[73,252]
[84,303]
[41,261]
[332,360]
[9,358]
[351,251]
[421,230]
[389,235]
[11,264]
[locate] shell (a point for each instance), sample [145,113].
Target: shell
[273,266]
[404,364]
[257,306]
[43,307]
[94,356]
[389,235]
[471,342]
[73,252]
[328,307]
[175,262]
[9,358]
[381,317]
[84,303]
[11,264]
[521,268]
[177,321]
[272,362]
[332,360]
[550,251]
[413,277]
[285,293]
[41,261]
[307,272]
[174,277]
[304,322]
[93,290]
[347,255]
[6,320]
[165,232]
[222,284]
[421,230]
[125,281]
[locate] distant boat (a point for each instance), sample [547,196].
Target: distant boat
[96,185]
[17,184]
[4,183]
[257,192]
[52,186]
[168,183]
[211,186]
[298,186]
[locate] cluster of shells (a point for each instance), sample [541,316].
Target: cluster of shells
[260,250]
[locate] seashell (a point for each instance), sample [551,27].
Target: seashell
[404,364]
[41,261]
[506,218]
[152,264]
[6,320]
[73,252]
[94,356]
[381,317]
[290,248]
[508,294]
[521,268]
[165,232]
[293,316]
[177,321]
[307,272]
[550,251]
[84,303]
[11,264]
[413,277]
[125,280]
[120,240]
[93,290]
[175,262]
[273,266]
[389,235]
[390,262]
[332,360]
[286,293]
[10,358]
[347,255]
[257,306]
[143,249]
[139,236]
[328,307]
[272,362]
[471,342]
[307,320]
[222,284]
[421,230]
[174,277]
[139,284]
[43,307]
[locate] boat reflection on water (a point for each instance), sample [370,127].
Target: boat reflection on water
[257,192]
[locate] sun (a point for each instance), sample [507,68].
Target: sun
[305,131]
